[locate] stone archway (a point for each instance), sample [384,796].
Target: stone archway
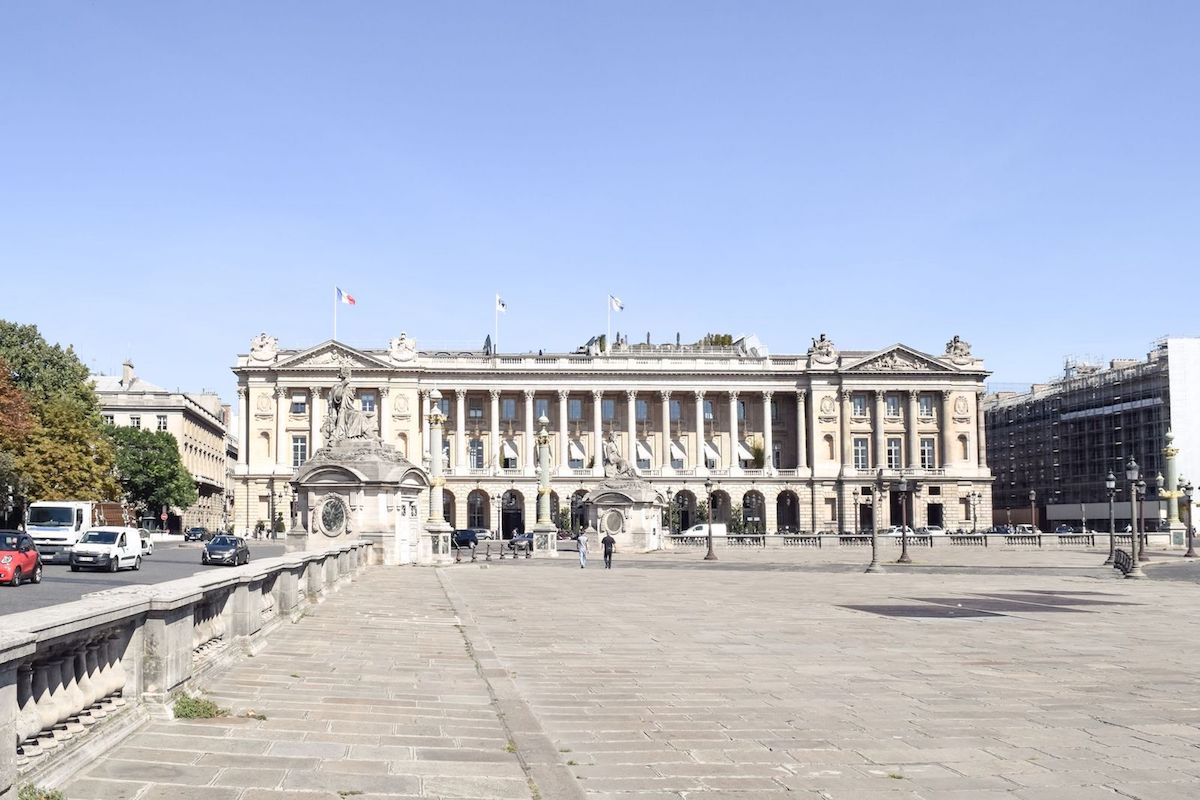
[754,512]
[579,519]
[512,514]
[479,509]
[720,506]
[787,512]
[449,508]
[685,503]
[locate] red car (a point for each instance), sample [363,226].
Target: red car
[19,559]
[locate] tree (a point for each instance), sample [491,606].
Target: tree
[16,417]
[716,340]
[41,370]
[65,457]
[150,470]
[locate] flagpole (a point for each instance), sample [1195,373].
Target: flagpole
[496,326]
[608,337]
[335,305]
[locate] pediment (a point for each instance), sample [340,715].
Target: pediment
[899,358]
[332,355]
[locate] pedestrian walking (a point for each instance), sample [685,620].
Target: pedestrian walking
[608,541]
[583,544]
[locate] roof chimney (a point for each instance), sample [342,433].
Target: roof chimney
[127,376]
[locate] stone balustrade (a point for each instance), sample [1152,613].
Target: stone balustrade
[822,540]
[78,676]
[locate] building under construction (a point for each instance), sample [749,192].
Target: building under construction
[1061,439]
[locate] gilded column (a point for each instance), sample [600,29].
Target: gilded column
[801,430]
[460,432]
[768,436]
[494,436]
[847,441]
[981,431]
[527,455]
[281,427]
[597,433]
[315,418]
[913,444]
[880,446]
[564,442]
[947,429]
[701,462]
[631,421]
[665,447]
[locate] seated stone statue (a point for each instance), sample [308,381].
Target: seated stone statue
[615,465]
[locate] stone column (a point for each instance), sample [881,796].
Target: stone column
[802,424]
[701,462]
[665,446]
[527,457]
[981,432]
[597,433]
[768,436]
[913,444]
[281,453]
[315,418]
[494,436]
[735,464]
[243,426]
[847,440]
[385,417]
[880,446]
[439,530]
[947,429]
[564,452]
[631,422]
[460,432]
[425,409]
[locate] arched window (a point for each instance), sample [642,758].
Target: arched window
[478,513]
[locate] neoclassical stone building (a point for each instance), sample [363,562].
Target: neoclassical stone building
[789,442]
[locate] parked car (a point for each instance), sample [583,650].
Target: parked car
[934,530]
[197,535]
[1064,529]
[482,533]
[1026,530]
[109,547]
[701,529]
[19,559]
[521,542]
[466,537]
[147,545]
[898,530]
[231,550]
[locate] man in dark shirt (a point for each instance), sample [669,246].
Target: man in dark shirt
[608,541]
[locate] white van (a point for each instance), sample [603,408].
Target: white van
[107,547]
[718,529]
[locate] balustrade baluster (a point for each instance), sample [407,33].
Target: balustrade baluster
[72,695]
[43,695]
[95,679]
[116,648]
[28,722]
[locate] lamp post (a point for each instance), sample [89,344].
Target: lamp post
[1142,538]
[1033,510]
[1131,474]
[670,512]
[269,533]
[976,496]
[710,555]
[856,493]
[902,489]
[498,501]
[1186,488]
[1110,488]
[876,499]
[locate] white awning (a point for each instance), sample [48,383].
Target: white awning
[299,397]
[575,452]
[744,453]
[508,450]
[643,452]
[710,453]
[677,452]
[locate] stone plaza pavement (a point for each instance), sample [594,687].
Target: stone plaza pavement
[776,674]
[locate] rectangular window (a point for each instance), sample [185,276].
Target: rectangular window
[676,411]
[642,409]
[541,408]
[508,408]
[135,421]
[299,450]
[608,409]
[741,411]
[858,405]
[575,454]
[299,404]
[927,453]
[894,454]
[708,411]
[475,453]
[475,409]
[574,409]
[366,401]
[162,422]
[925,405]
[861,454]
[893,404]
[108,419]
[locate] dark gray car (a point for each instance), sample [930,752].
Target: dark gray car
[231,550]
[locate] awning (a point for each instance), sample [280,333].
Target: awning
[710,453]
[744,453]
[508,450]
[575,451]
[299,397]
[677,452]
[643,452]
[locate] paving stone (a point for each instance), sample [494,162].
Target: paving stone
[98,789]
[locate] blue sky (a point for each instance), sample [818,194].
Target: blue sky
[176,177]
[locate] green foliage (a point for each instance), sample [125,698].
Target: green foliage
[188,707]
[759,451]
[150,469]
[716,340]
[44,371]
[735,523]
[31,792]
[68,456]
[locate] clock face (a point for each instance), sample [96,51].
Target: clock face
[333,516]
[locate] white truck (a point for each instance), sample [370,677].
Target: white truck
[701,529]
[56,525]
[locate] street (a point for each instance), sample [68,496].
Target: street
[170,560]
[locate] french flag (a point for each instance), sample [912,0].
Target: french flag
[343,297]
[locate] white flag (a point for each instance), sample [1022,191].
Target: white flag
[615,303]
[501,306]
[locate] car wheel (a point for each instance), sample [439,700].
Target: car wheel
[74,568]
[37,573]
[16,577]
[137,563]
[114,564]
[204,558]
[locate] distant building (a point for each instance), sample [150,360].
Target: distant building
[197,421]
[1061,439]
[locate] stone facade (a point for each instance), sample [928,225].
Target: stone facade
[789,442]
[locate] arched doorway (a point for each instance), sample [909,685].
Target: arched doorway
[754,512]
[685,503]
[512,514]
[479,512]
[578,511]
[449,508]
[556,510]
[720,506]
[787,512]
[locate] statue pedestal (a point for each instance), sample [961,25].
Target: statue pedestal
[545,540]
[436,545]
[628,510]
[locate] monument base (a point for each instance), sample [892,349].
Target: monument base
[545,540]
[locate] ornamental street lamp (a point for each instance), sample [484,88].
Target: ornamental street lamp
[856,493]
[1033,510]
[497,501]
[710,555]
[976,499]
[1132,473]
[1142,537]
[876,496]
[1110,488]
[670,513]
[1186,488]
[902,489]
